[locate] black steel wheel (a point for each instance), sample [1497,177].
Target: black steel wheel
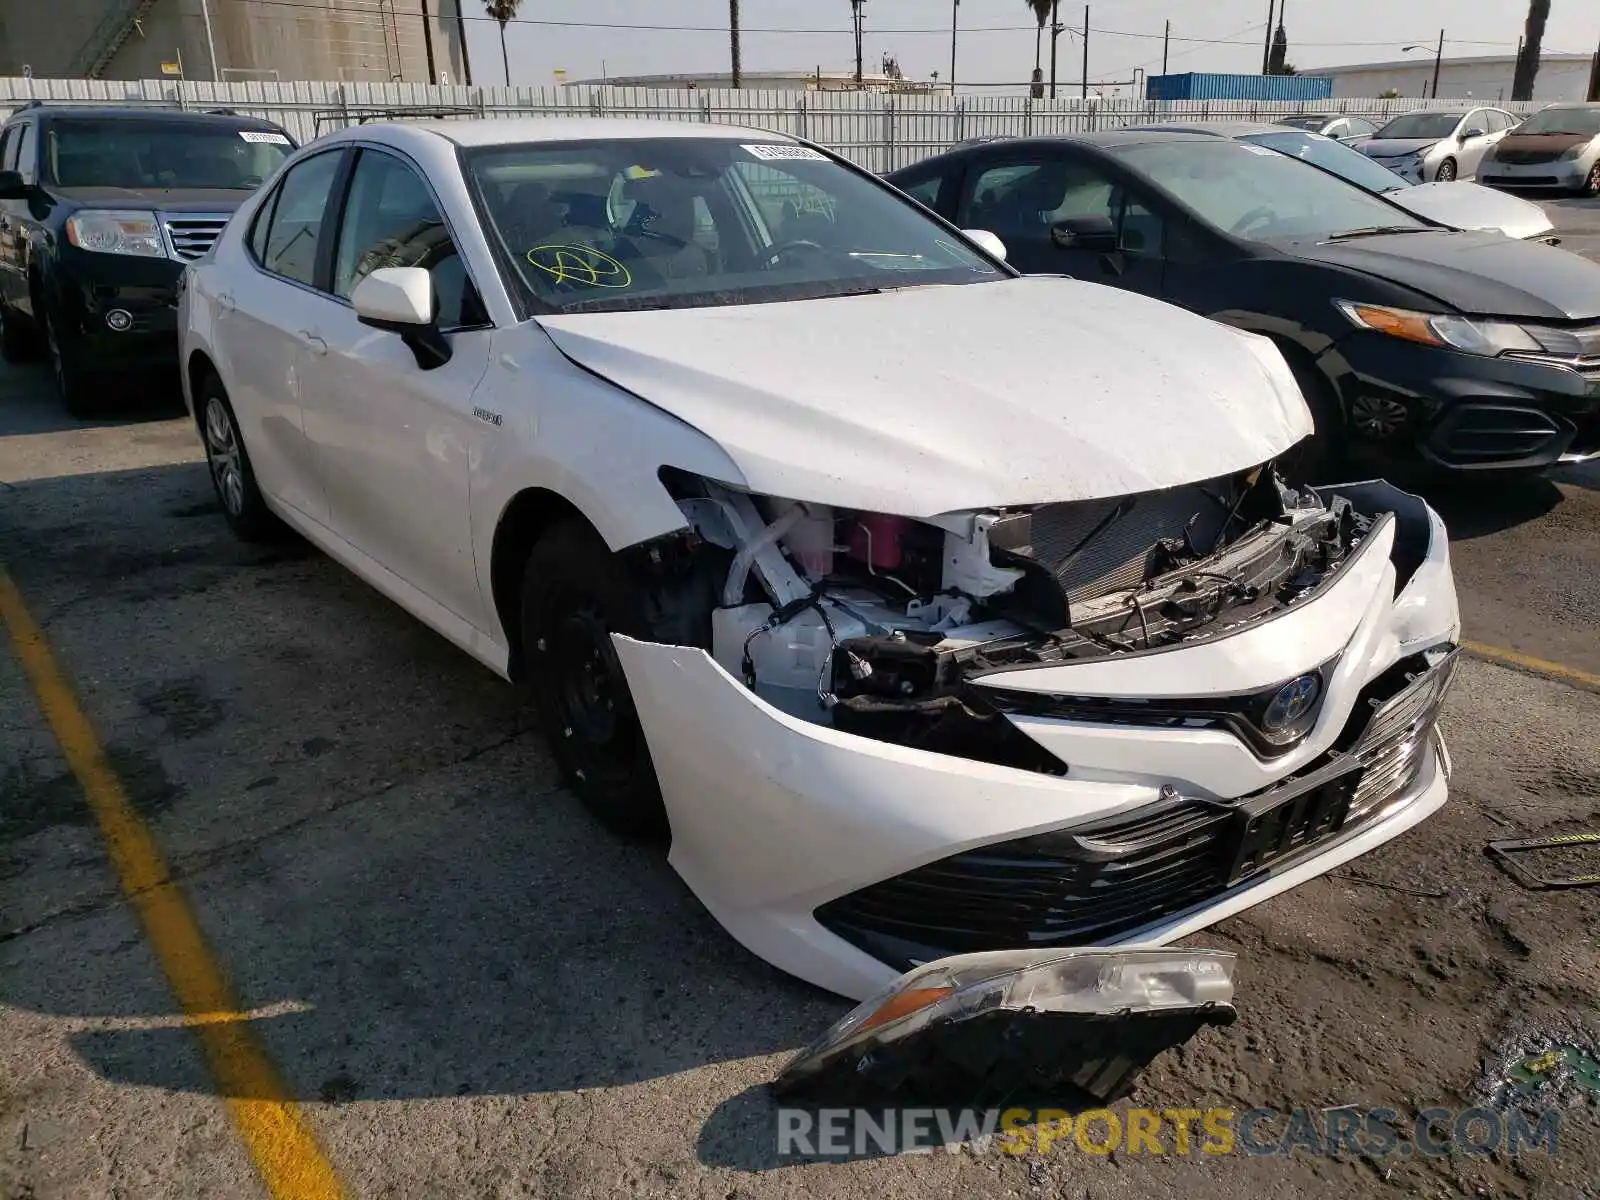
[576,593]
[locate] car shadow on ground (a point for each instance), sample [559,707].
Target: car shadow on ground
[368,828]
[28,403]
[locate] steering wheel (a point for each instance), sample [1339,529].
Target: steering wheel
[1258,215]
[770,258]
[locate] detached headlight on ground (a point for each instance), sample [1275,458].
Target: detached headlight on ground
[1489,338]
[117,232]
[976,1026]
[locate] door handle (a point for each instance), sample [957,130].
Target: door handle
[317,345]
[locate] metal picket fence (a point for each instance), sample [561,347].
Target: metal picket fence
[880,131]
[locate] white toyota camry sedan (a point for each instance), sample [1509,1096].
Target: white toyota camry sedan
[928,608]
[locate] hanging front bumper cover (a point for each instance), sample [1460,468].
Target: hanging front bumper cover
[982,1027]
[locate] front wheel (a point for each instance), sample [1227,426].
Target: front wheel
[1318,458]
[575,594]
[1591,184]
[233,478]
[1446,171]
[75,386]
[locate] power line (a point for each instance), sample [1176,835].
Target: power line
[833,31]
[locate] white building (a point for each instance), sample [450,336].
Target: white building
[1485,78]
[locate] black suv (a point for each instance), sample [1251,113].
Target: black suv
[100,208]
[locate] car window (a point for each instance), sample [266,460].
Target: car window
[1360,126]
[1475,122]
[1260,194]
[1335,129]
[1584,121]
[926,191]
[1421,125]
[391,220]
[6,144]
[169,152]
[290,248]
[687,221]
[1331,156]
[25,152]
[1026,202]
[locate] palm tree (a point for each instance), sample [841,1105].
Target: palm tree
[1041,13]
[1528,60]
[503,11]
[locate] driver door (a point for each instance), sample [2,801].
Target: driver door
[1024,200]
[1473,138]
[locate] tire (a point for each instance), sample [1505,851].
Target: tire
[1318,458]
[1591,185]
[232,477]
[75,386]
[1446,172]
[18,343]
[575,594]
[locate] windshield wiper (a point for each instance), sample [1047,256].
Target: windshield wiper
[1375,231]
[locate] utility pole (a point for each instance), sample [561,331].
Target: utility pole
[955,12]
[1055,32]
[1266,44]
[856,14]
[1438,60]
[733,36]
[1594,78]
[461,37]
[211,45]
[1166,39]
[1085,81]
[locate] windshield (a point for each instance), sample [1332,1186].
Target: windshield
[1421,125]
[161,154]
[1332,156]
[1259,194]
[1311,123]
[1585,121]
[682,222]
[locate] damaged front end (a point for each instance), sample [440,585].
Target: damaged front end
[879,625]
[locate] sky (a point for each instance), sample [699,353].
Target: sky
[997,44]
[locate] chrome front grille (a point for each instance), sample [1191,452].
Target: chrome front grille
[189,235]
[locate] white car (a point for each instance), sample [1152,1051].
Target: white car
[1437,146]
[930,608]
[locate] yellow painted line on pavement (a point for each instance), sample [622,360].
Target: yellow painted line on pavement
[1526,662]
[280,1140]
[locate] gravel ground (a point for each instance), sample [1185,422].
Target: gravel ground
[473,991]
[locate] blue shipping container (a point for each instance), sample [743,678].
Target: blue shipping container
[1197,86]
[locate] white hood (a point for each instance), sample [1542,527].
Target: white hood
[1472,206]
[932,400]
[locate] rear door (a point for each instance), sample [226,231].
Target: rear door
[266,314]
[1023,196]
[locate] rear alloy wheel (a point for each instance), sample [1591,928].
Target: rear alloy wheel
[1446,171]
[231,475]
[575,594]
[74,385]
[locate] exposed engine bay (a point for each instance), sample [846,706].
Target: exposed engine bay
[875,624]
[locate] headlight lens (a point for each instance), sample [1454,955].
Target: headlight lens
[1577,151]
[117,232]
[1489,338]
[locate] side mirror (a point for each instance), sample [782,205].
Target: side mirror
[1085,233]
[12,187]
[1474,132]
[401,300]
[986,241]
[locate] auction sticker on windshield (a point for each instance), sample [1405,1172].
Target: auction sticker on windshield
[773,151]
[263,135]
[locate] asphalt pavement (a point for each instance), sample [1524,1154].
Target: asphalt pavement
[413,941]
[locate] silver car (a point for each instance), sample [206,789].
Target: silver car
[1332,125]
[1426,146]
[1558,147]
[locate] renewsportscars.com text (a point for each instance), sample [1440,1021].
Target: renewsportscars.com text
[1347,1130]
